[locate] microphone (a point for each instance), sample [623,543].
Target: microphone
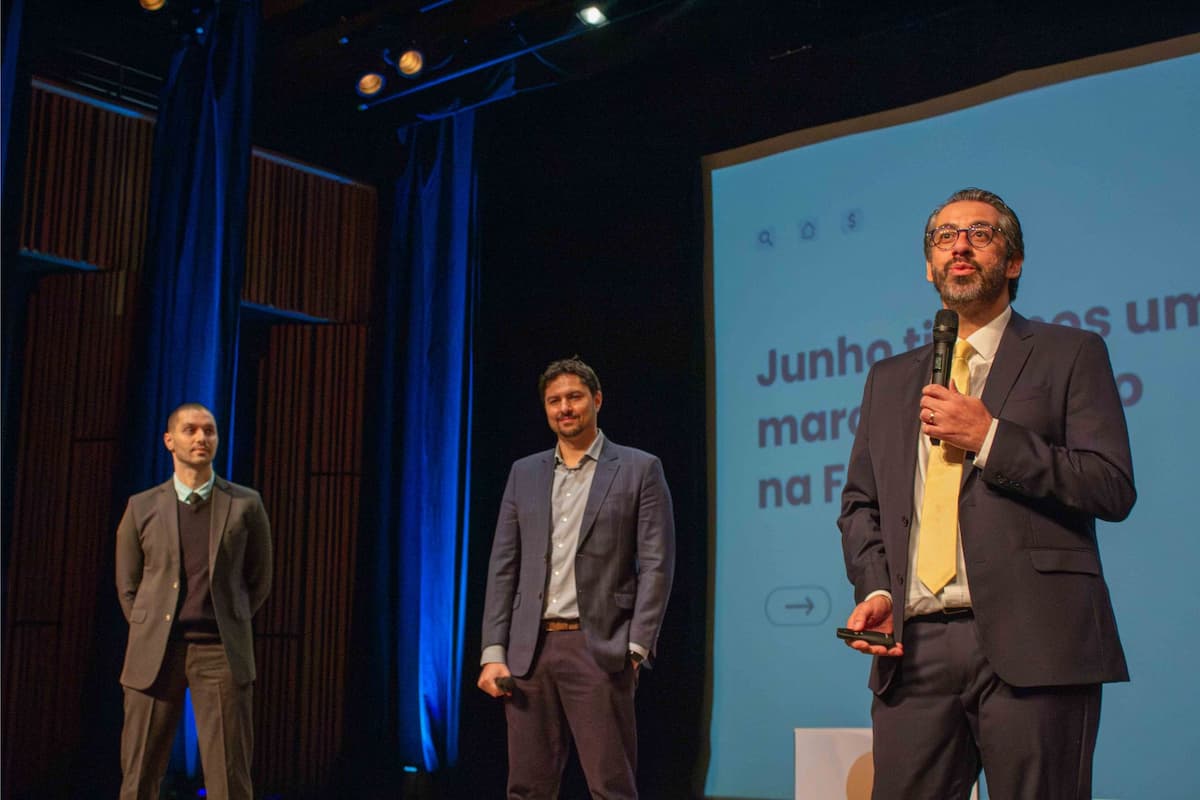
[945,332]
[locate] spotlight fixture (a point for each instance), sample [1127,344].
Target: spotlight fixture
[371,84]
[410,63]
[152,5]
[592,15]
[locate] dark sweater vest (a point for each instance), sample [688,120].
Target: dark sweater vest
[196,619]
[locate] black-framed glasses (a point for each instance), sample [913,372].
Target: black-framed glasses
[979,235]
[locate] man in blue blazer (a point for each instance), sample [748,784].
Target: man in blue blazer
[578,581]
[193,566]
[1000,665]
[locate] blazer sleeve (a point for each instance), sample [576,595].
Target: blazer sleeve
[655,556]
[259,563]
[862,537]
[1086,468]
[129,560]
[503,569]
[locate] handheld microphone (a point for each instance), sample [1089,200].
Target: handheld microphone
[945,332]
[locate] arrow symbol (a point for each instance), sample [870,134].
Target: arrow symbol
[807,605]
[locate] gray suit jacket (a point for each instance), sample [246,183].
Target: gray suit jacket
[1059,461]
[623,567]
[149,569]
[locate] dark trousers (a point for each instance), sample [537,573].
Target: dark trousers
[947,714]
[566,694]
[224,713]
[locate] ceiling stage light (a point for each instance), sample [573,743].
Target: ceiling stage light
[371,84]
[152,5]
[592,15]
[410,63]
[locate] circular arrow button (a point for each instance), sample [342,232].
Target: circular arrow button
[798,605]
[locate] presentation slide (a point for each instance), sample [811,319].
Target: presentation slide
[817,272]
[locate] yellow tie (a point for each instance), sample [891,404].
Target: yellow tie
[937,550]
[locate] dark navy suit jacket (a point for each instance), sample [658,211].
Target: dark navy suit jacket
[623,567]
[1059,461]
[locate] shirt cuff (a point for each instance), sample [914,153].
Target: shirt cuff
[494,654]
[880,593]
[634,647]
[982,456]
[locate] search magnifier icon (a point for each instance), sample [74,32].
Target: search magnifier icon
[765,239]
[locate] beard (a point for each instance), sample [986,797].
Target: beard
[569,427]
[982,287]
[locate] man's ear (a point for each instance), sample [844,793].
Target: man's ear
[169,442]
[1013,270]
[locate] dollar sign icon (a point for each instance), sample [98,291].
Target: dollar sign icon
[852,220]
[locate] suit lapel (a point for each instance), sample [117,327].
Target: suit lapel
[541,510]
[1016,343]
[1015,346]
[167,505]
[221,504]
[602,478]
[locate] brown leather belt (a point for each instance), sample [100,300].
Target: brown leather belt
[556,625]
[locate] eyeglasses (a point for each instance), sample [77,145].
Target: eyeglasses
[979,235]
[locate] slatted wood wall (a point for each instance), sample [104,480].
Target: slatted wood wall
[77,335]
[310,241]
[87,181]
[309,457]
[311,249]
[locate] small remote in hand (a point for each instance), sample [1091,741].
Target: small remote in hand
[870,637]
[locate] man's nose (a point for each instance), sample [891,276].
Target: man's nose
[962,243]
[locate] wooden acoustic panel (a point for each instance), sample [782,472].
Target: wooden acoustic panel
[61,538]
[308,468]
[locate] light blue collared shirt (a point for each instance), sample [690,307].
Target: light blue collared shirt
[183,491]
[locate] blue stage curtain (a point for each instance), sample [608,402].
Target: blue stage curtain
[195,248]
[8,78]
[189,302]
[416,568]
[16,287]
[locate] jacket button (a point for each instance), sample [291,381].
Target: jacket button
[904,521]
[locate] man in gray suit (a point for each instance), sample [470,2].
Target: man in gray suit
[999,659]
[193,566]
[578,582]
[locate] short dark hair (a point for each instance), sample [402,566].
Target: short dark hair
[1010,226]
[186,407]
[568,366]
